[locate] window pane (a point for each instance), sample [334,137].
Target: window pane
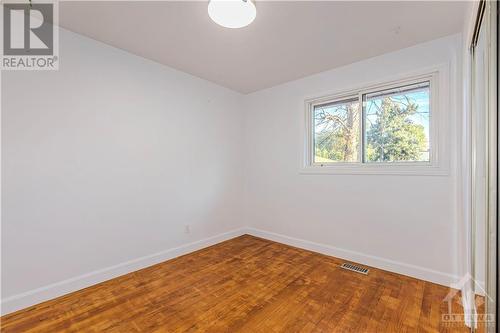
[336,131]
[397,124]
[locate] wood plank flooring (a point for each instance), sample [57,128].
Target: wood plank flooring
[246,284]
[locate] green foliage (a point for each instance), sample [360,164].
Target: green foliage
[394,136]
[331,145]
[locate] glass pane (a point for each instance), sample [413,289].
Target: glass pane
[336,131]
[397,124]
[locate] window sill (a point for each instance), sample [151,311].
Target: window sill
[398,170]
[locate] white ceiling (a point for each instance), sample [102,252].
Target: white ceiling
[287,40]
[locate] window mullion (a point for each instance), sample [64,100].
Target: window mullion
[361,129]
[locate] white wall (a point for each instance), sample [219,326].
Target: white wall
[106,161]
[407,224]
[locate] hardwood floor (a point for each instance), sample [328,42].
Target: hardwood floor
[246,284]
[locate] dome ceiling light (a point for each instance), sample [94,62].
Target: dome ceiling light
[232,13]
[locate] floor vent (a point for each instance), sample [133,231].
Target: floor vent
[355,268]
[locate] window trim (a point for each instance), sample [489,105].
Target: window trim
[435,166]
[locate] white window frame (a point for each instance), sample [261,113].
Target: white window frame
[435,166]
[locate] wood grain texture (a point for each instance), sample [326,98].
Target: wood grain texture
[246,284]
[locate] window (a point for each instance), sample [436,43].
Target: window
[384,126]
[336,131]
[396,124]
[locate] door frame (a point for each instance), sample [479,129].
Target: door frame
[487,18]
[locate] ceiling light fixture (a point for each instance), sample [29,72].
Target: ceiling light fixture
[232,13]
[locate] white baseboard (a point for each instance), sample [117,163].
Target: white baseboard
[32,297]
[418,272]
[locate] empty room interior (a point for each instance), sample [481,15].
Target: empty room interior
[249,166]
